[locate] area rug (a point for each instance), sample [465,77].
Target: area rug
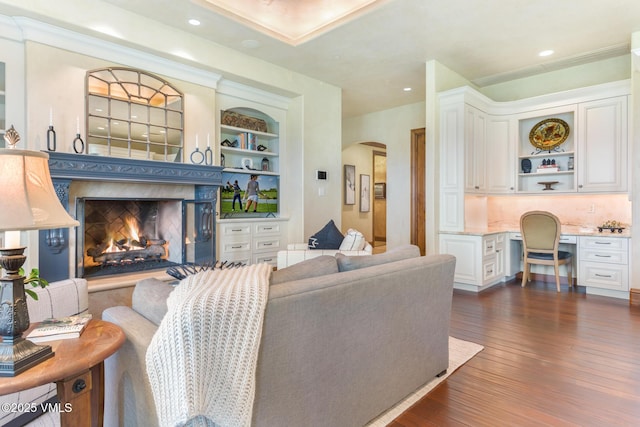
[460,352]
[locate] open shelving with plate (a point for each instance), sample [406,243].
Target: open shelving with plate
[562,156]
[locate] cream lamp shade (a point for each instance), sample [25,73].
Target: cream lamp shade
[28,200]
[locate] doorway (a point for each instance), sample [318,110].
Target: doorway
[379,200]
[418,189]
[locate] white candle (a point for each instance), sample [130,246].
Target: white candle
[208,143]
[196,141]
[50,116]
[12,239]
[78,125]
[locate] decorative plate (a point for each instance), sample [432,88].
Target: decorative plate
[549,133]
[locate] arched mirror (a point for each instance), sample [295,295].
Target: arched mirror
[133,114]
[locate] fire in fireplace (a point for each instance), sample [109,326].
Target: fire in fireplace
[129,235]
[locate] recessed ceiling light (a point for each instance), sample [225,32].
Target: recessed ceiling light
[407,89]
[194,22]
[546,53]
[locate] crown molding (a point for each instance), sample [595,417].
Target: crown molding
[252,94]
[40,32]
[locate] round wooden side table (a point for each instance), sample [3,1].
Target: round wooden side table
[77,368]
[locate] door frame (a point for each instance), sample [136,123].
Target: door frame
[418,189]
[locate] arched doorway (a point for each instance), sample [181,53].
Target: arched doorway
[367,213]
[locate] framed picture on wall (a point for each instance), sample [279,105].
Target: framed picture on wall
[365,193]
[349,185]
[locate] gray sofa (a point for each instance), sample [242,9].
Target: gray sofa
[344,339]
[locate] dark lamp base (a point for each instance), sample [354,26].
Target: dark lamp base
[19,356]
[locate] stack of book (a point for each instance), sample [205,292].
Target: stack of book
[59,329]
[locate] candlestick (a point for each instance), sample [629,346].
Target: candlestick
[78,125]
[50,116]
[196,141]
[208,142]
[12,239]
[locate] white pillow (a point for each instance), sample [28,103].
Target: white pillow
[353,241]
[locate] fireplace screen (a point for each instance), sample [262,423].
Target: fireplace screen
[124,236]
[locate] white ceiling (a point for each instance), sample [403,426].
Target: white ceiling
[374,56]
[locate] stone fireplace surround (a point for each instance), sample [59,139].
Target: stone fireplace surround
[77,176]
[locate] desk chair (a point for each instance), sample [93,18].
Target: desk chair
[540,240]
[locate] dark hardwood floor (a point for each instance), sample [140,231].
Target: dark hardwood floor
[550,359]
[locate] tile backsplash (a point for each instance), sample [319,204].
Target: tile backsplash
[587,211]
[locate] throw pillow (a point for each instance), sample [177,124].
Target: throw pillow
[314,267]
[353,241]
[327,238]
[348,263]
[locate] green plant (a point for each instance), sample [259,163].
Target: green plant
[35,280]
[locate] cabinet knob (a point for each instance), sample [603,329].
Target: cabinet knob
[477,187]
[580,186]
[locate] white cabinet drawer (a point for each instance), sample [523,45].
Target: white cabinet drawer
[489,246]
[229,230]
[238,257]
[267,244]
[611,257]
[267,228]
[270,258]
[607,243]
[489,270]
[236,246]
[602,275]
[572,240]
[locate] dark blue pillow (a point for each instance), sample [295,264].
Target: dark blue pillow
[327,238]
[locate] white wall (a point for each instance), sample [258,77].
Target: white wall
[392,128]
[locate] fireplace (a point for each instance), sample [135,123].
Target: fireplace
[135,215]
[120,236]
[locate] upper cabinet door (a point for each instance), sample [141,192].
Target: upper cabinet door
[475,136]
[603,145]
[499,155]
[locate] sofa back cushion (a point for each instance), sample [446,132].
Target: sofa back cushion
[314,267]
[150,299]
[348,263]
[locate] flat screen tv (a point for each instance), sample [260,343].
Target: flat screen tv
[233,202]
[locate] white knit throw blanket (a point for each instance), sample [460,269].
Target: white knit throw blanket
[202,360]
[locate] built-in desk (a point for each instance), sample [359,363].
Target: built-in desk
[602,260]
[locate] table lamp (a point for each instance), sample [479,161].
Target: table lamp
[28,201]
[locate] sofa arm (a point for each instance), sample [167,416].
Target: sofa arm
[128,395]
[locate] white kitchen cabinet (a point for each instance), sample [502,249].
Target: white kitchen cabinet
[603,264]
[475,124]
[251,241]
[602,145]
[480,260]
[499,155]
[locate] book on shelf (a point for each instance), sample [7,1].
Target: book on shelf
[59,329]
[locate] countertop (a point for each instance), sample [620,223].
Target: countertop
[565,230]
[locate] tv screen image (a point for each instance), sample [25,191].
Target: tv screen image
[233,195]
